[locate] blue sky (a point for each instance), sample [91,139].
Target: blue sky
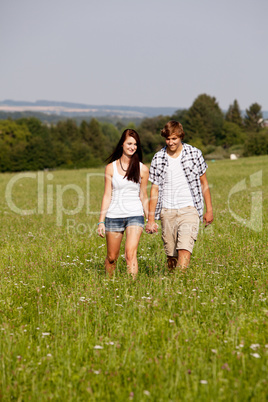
[134,52]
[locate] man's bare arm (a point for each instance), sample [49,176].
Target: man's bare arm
[208,216]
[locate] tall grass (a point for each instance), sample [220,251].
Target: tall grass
[67,332]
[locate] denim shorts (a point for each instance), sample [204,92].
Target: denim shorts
[120,224]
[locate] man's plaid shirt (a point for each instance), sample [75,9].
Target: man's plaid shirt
[193,165]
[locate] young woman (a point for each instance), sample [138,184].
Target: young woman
[124,201]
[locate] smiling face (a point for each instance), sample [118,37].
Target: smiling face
[129,146]
[173,143]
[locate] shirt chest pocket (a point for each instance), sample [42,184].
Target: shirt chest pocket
[191,171]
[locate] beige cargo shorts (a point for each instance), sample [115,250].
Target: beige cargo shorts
[179,229]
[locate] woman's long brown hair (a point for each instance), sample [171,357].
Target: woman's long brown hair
[133,171]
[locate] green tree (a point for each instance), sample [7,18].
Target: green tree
[13,142]
[204,120]
[253,117]
[39,150]
[150,135]
[66,131]
[111,134]
[180,115]
[233,114]
[91,133]
[231,134]
[257,143]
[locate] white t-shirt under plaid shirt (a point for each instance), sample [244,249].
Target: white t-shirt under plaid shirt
[193,165]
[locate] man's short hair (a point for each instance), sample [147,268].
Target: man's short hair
[173,127]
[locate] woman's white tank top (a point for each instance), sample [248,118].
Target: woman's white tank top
[125,197]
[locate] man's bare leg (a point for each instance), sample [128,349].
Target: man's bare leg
[183,262]
[172,263]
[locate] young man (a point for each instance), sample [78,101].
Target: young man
[179,183]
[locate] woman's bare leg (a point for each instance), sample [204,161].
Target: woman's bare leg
[113,241]
[133,234]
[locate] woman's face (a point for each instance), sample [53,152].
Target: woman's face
[129,146]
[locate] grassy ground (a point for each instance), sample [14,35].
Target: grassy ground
[69,333]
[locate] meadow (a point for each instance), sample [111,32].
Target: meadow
[67,332]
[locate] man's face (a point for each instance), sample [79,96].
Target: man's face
[173,142]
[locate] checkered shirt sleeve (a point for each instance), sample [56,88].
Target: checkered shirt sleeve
[194,166]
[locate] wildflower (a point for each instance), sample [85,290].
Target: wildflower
[256,355]
[146,393]
[225,367]
[254,346]
[171,321]
[98,347]
[45,333]
[214,351]
[203,382]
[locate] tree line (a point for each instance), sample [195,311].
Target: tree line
[28,144]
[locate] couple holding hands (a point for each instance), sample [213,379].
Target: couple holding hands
[179,184]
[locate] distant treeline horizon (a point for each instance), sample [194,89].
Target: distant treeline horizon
[29,143]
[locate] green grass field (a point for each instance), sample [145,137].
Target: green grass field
[68,333]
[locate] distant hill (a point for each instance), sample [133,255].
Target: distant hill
[51,111]
[78,109]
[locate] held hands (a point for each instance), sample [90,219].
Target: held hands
[151,227]
[208,218]
[101,229]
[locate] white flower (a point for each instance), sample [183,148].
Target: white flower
[203,382]
[45,333]
[171,321]
[256,355]
[98,347]
[214,351]
[49,355]
[254,346]
[146,393]
[96,372]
